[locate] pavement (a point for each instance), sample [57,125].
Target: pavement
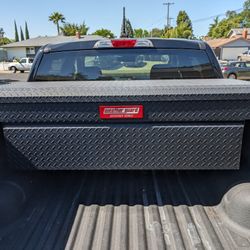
[9,76]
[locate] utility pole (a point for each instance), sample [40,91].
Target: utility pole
[168,4]
[170,21]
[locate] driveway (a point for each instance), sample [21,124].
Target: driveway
[8,76]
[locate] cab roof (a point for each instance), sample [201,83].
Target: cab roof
[159,43]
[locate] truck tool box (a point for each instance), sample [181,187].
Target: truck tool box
[169,124]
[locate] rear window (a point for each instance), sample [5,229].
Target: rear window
[125,64]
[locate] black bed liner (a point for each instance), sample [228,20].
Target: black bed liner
[119,210]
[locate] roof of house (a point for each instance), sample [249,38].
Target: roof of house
[44,40]
[215,43]
[237,36]
[238,31]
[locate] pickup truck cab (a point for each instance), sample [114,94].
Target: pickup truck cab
[24,64]
[125,60]
[123,113]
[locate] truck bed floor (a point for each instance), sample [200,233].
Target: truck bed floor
[118,210]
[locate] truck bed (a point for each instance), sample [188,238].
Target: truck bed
[120,209]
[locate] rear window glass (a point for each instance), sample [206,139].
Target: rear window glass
[125,64]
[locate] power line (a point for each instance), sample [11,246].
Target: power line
[160,20]
[168,4]
[214,16]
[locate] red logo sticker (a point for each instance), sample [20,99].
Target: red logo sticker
[121,112]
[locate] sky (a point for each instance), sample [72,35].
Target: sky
[108,14]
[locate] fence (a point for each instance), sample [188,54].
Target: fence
[4,66]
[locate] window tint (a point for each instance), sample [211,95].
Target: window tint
[125,64]
[23,61]
[238,65]
[30,51]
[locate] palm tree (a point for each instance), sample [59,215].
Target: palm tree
[212,26]
[57,17]
[70,29]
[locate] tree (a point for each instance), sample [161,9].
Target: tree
[21,34]
[230,14]
[184,18]
[183,27]
[27,34]
[213,26]
[129,29]
[155,32]
[70,29]
[123,27]
[140,33]
[4,41]
[16,33]
[223,28]
[184,31]
[171,33]
[104,33]
[126,28]
[246,5]
[2,33]
[180,31]
[56,18]
[220,29]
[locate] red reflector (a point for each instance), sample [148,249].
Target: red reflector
[123,43]
[225,68]
[121,112]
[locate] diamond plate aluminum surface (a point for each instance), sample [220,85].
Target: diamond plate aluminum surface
[164,100]
[124,147]
[172,111]
[113,91]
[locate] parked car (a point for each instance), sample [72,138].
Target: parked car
[236,70]
[244,56]
[24,64]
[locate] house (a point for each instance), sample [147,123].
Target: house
[229,48]
[29,48]
[236,33]
[3,55]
